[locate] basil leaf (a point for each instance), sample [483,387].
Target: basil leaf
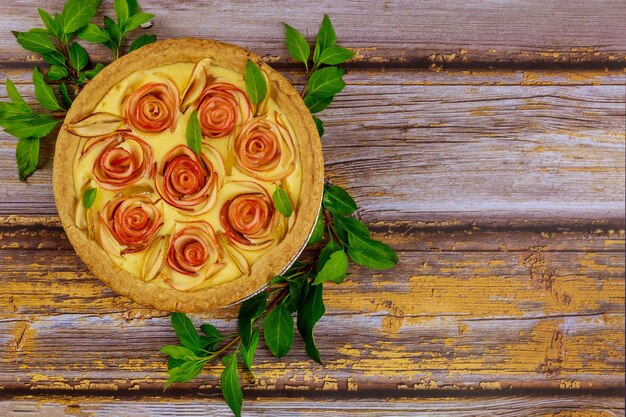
[194,134]
[44,92]
[335,55]
[76,14]
[331,247]
[229,384]
[371,253]
[316,104]
[282,202]
[78,56]
[310,311]
[35,126]
[185,372]
[65,97]
[297,46]
[55,58]
[141,41]
[338,201]
[89,197]
[93,33]
[15,96]
[334,269]
[137,20]
[185,330]
[256,86]
[250,310]
[326,38]
[53,27]
[179,352]
[35,42]
[326,82]
[56,72]
[27,156]
[121,12]
[278,331]
[318,230]
[319,125]
[247,352]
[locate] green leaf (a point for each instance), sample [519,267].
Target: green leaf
[185,330]
[53,27]
[297,46]
[331,247]
[65,97]
[44,92]
[27,156]
[76,14]
[247,352]
[311,310]
[93,33]
[334,269]
[56,72]
[141,41]
[316,104]
[113,31]
[35,42]
[121,12]
[174,363]
[371,253]
[278,331]
[256,86]
[319,125]
[335,55]
[89,197]
[78,56]
[211,331]
[250,310]
[326,82]
[338,201]
[350,224]
[55,58]
[133,7]
[137,20]
[15,96]
[179,352]
[185,372]
[229,384]
[282,202]
[34,126]
[326,38]
[318,230]
[10,112]
[94,71]
[193,133]
[294,295]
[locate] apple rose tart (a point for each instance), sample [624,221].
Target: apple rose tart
[165,169]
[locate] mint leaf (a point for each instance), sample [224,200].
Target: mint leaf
[334,269]
[349,224]
[35,42]
[27,156]
[137,20]
[338,201]
[179,352]
[256,86]
[78,56]
[93,33]
[76,14]
[326,82]
[133,7]
[65,97]
[335,55]
[316,104]
[247,352]
[34,126]
[318,230]
[229,384]
[53,27]
[297,46]
[55,58]
[185,372]
[185,330]
[44,92]
[89,197]
[113,31]
[250,310]
[319,125]
[331,247]
[193,133]
[10,111]
[326,38]
[282,202]
[141,41]
[278,331]
[211,331]
[310,311]
[371,253]
[15,96]
[94,71]
[121,12]
[56,72]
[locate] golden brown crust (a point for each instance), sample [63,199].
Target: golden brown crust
[272,262]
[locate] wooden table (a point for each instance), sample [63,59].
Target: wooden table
[483,140]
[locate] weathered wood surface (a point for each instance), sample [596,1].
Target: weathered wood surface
[404,32]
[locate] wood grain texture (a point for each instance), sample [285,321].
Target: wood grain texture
[528,406]
[400,32]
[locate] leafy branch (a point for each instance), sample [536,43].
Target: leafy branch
[69,64]
[298,291]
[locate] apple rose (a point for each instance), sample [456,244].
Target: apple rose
[193,256]
[189,182]
[264,149]
[122,160]
[153,107]
[128,224]
[249,219]
[221,107]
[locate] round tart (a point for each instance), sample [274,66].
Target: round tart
[174,228]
